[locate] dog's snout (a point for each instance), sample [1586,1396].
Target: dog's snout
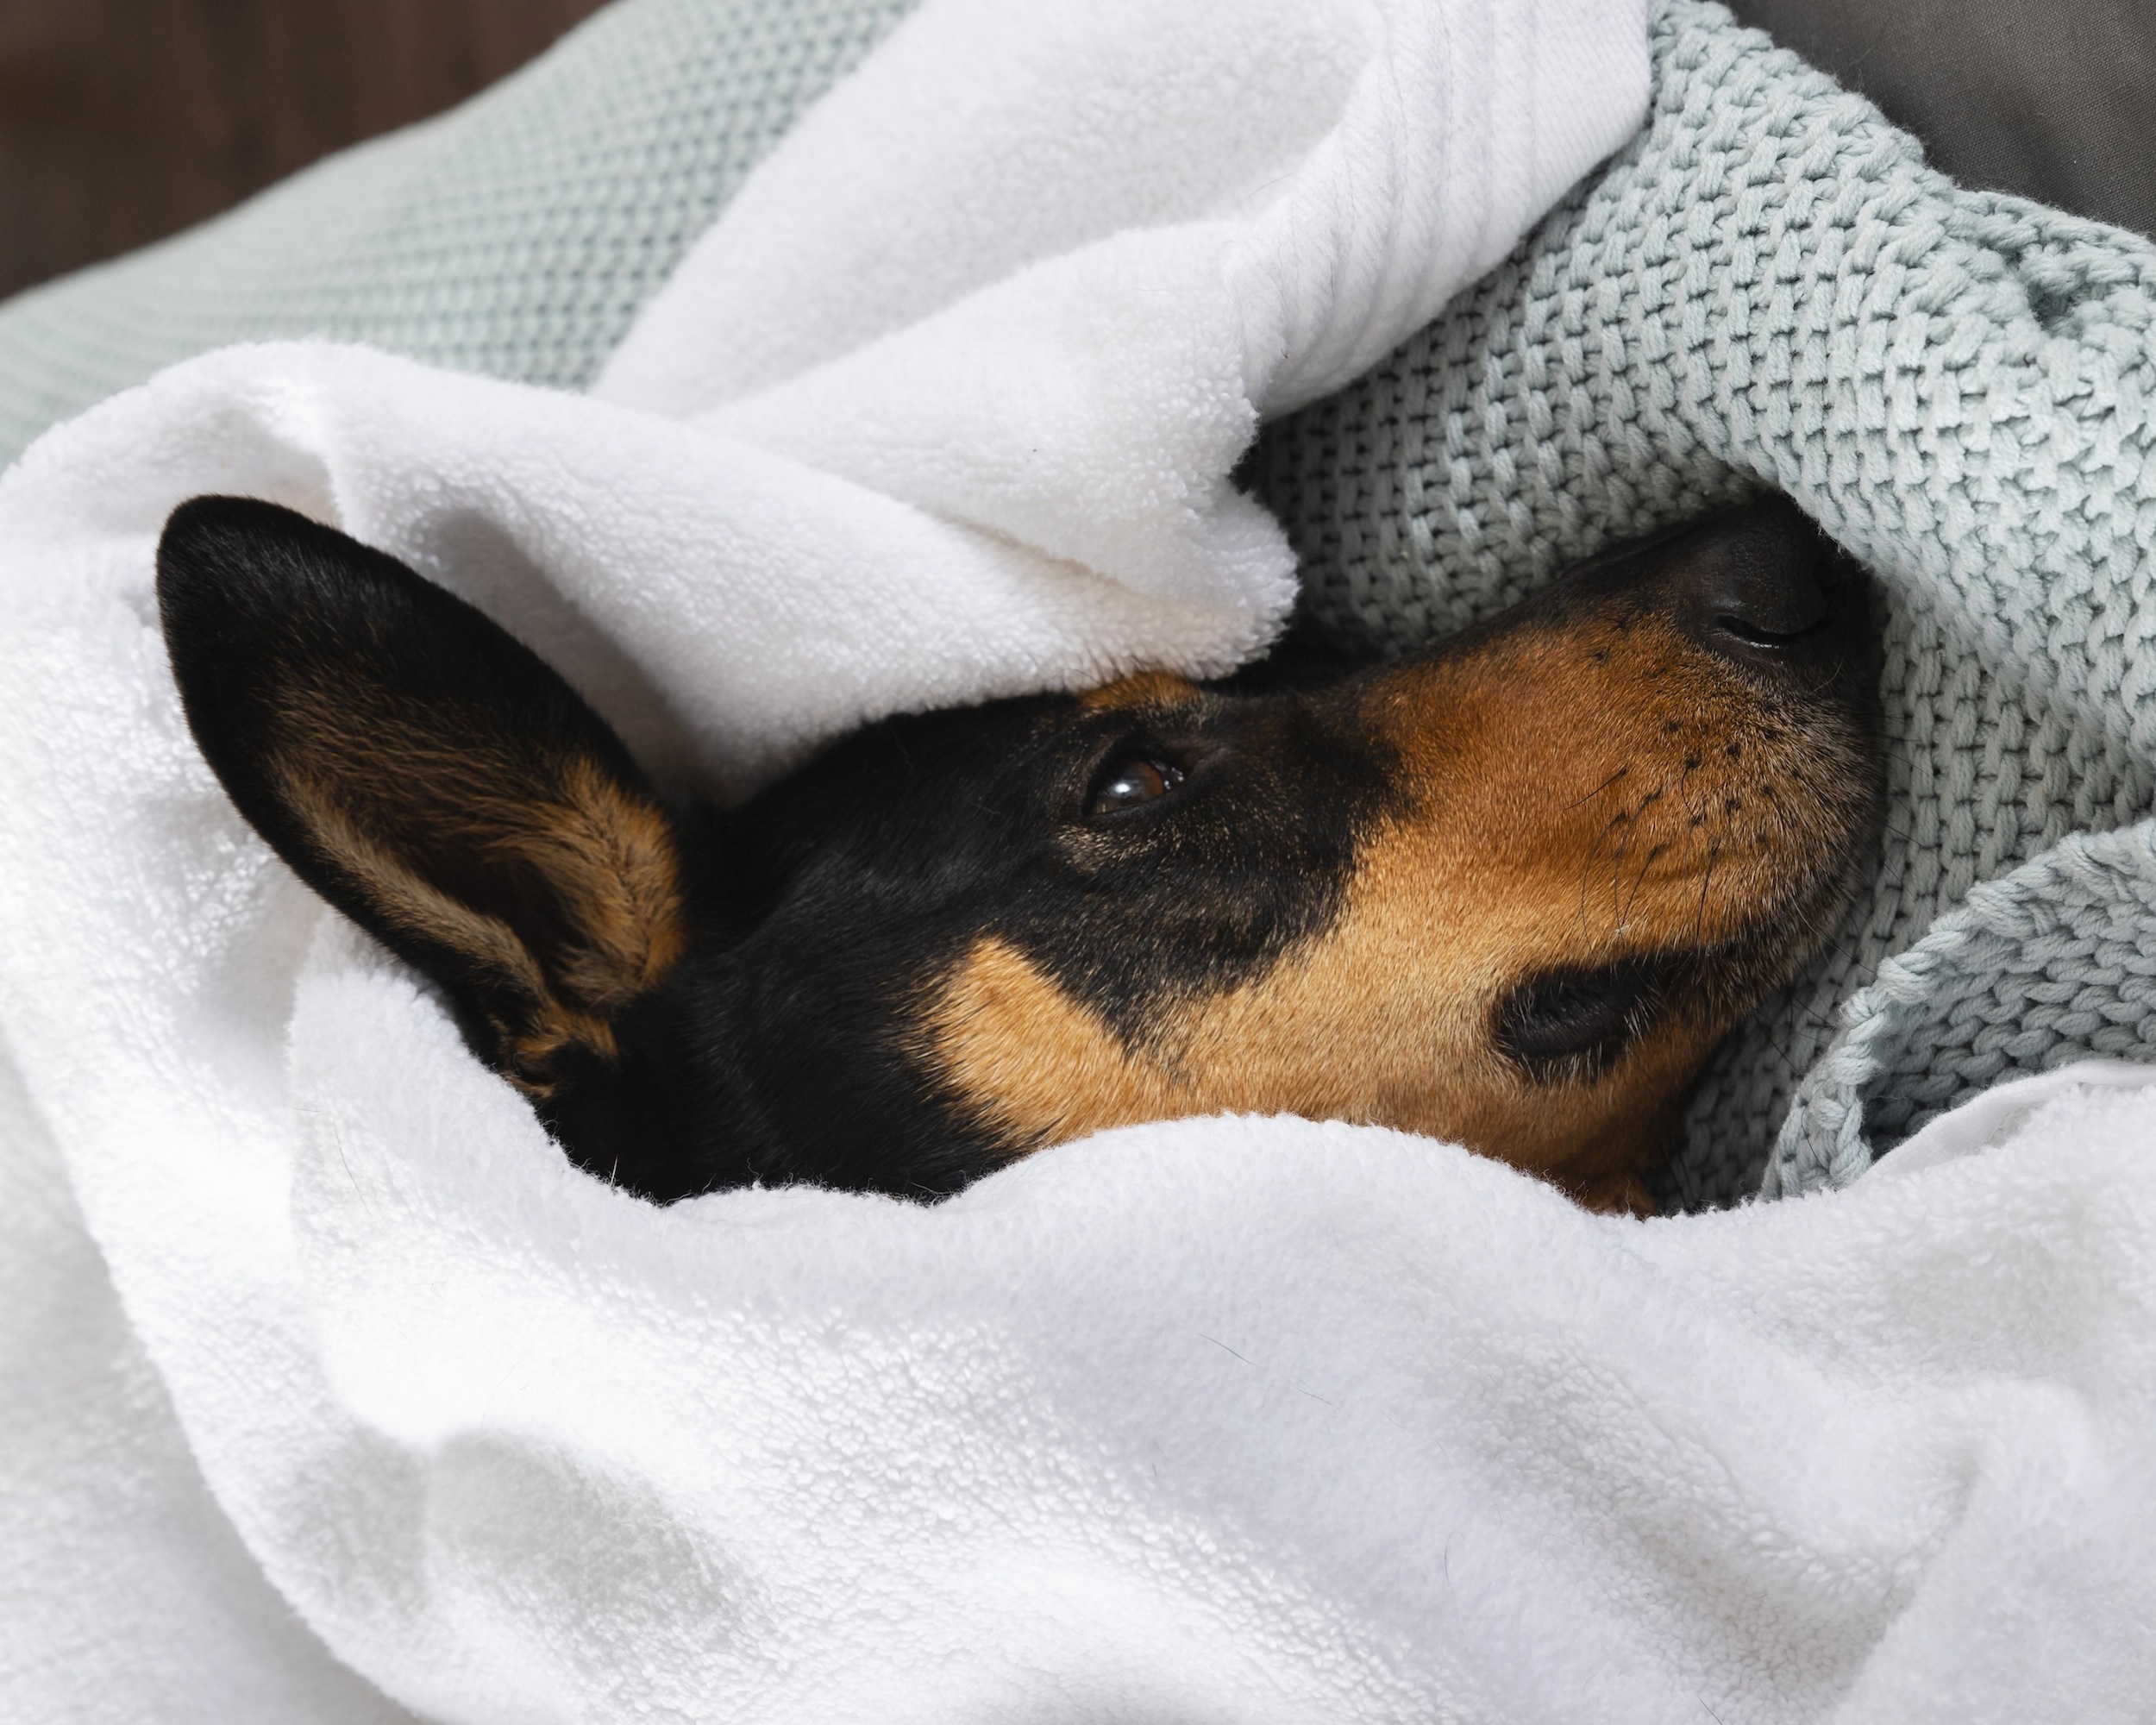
[1761,587]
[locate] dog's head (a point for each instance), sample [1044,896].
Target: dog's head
[1509,892]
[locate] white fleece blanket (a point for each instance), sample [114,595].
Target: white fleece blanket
[331,1392]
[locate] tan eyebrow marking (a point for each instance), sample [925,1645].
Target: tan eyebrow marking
[1141,689]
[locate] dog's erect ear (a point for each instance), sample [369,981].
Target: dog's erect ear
[426,775]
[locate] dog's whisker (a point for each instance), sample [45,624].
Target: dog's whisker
[1699,919]
[1640,880]
[1647,865]
[1617,882]
[1587,864]
[1598,789]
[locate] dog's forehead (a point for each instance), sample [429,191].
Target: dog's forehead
[923,815]
[1033,743]
[914,791]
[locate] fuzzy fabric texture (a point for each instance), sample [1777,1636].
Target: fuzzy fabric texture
[1769,287]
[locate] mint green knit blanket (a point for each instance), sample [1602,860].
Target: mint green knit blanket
[1767,288]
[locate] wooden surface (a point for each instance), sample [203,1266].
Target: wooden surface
[123,121]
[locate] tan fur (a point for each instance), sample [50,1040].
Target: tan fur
[1140,689]
[1572,801]
[354,772]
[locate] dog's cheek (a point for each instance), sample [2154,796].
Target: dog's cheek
[1019,1058]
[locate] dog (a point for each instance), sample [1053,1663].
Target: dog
[1511,892]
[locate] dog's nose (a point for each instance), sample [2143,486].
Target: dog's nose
[1762,585]
[1764,592]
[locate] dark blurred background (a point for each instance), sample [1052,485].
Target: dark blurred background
[123,121]
[2053,99]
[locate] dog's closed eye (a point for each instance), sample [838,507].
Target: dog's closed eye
[1572,1023]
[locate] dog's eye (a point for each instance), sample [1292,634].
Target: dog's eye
[1130,780]
[1573,1023]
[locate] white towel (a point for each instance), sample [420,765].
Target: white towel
[333,1393]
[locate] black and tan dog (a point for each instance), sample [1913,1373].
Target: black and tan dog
[1510,892]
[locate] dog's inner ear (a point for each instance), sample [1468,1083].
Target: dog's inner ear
[428,775]
[523,874]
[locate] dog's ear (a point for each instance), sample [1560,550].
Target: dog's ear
[426,775]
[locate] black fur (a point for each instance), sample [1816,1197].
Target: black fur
[851,885]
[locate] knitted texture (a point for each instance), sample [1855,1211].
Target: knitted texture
[1769,286]
[2054,963]
[516,236]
